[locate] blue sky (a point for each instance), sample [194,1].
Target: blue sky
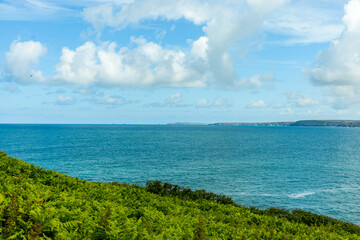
[129,61]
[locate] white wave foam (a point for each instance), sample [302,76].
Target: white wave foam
[300,195]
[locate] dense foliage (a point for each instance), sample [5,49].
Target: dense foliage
[168,189]
[40,204]
[297,215]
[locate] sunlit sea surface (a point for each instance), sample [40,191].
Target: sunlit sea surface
[312,168]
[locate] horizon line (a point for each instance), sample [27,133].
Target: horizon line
[180,123]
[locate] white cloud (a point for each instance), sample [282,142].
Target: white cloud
[306,101]
[112,100]
[200,48]
[338,66]
[345,102]
[100,16]
[65,100]
[43,10]
[148,64]
[257,104]
[20,60]
[202,103]
[218,103]
[257,81]
[119,15]
[299,100]
[174,99]
[224,24]
[287,111]
[33,10]
[79,66]
[265,6]
[221,102]
[85,91]
[301,22]
[208,62]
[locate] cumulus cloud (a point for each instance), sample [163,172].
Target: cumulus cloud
[306,101]
[145,65]
[338,66]
[200,48]
[257,104]
[217,103]
[148,64]
[123,14]
[207,62]
[224,23]
[299,100]
[65,100]
[21,58]
[257,81]
[263,7]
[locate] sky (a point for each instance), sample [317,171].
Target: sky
[158,62]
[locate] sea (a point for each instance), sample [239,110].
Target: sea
[316,169]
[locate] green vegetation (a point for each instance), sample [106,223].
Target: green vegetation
[41,204]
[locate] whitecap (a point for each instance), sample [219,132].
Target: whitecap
[300,195]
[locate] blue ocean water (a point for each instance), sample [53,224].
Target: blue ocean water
[312,168]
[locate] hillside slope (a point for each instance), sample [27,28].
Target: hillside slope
[41,204]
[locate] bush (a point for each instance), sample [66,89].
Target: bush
[39,204]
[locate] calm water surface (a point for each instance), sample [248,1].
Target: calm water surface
[312,168]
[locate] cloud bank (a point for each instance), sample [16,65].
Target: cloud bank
[20,60]
[148,64]
[207,62]
[301,22]
[338,66]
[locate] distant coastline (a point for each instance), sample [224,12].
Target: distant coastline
[305,123]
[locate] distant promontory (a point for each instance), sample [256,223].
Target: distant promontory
[314,123]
